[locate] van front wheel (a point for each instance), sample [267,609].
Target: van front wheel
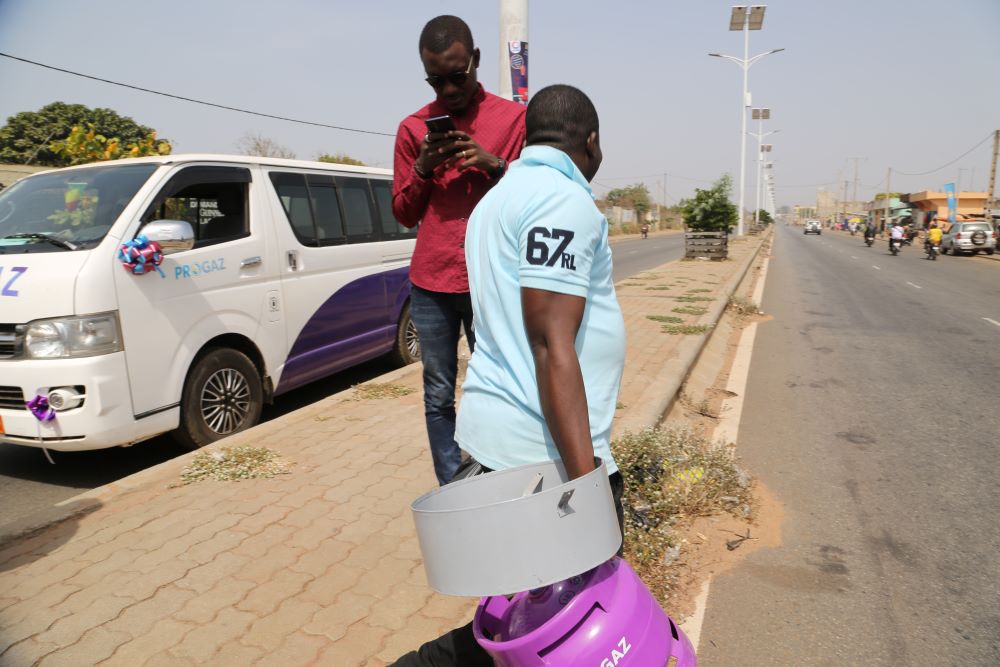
[222,396]
[406,349]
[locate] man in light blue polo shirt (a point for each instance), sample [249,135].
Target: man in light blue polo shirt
[550,339]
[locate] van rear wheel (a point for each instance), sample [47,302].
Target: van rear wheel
[222,396]
[406,349]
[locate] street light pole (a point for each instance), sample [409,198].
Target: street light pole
[745,18]
[760,115]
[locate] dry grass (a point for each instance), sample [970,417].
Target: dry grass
[685,329]
[694,299]
[669,319]
[672,476]
[698,291]
[232,464]
[742,306]
[376,390]
[690,310]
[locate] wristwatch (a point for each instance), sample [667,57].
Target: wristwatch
[501,168]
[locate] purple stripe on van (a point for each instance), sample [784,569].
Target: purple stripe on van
[357,323]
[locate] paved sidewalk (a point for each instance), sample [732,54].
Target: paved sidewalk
[320,566]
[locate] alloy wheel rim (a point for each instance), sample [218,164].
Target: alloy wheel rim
[225,401]
[412,340]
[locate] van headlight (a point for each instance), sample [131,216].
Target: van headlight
[71,337]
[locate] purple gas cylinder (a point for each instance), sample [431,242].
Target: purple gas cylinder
[605,617]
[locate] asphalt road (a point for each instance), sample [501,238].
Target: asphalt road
[28,483]
[871,413]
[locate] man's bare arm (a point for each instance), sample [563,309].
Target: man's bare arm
[551,321]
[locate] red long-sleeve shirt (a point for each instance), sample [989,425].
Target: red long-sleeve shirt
[442,204]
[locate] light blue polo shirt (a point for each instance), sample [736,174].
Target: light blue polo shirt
[539,228]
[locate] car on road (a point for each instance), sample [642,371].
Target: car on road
[812,227]
[971,237]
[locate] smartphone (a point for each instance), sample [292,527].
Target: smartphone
[440,124]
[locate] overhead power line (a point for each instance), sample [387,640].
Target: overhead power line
[947,164]
[195,101]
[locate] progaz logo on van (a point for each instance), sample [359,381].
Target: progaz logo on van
[7,281]
[195,269]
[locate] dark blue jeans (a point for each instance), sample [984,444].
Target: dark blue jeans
[439,318]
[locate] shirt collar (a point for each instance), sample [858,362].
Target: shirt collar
[534,156]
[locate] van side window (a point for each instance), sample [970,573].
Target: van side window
[294,197]
[310,203]
[329,224]
[391,229]
[212,199]
[357,206]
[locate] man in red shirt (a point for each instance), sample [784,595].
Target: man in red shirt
[439,177]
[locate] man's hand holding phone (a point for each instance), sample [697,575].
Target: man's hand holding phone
[445,144]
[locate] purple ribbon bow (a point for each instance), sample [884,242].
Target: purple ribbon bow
[39,407]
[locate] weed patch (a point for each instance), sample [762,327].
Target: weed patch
[685,329]
[672,476]
[690,310]
[694,299]
[742,306]
[670,319]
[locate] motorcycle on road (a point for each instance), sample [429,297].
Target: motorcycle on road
[895,245]
[932,250]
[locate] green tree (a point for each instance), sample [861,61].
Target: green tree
[85,145]
[339,158]
[764,217]
[634,196]
[710,210]
[27,137]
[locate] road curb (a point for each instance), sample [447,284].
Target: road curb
[659,397]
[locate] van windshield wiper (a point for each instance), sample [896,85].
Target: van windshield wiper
[44,237]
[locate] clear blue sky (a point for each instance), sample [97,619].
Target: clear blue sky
[910,84]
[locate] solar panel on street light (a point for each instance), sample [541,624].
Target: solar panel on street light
[757,17]
[738,17]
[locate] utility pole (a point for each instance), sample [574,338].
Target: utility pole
[514,50]
[664,190]
[888,189]
[844,200]
[993,176]
[854,195]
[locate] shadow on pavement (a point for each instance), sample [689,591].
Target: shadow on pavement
[34,537]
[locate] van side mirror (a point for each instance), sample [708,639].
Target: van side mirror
[172,235]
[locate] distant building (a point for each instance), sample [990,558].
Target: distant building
[928,203]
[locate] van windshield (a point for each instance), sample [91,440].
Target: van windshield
[69,209]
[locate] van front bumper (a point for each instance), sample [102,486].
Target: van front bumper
[104,419]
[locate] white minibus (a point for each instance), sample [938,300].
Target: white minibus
[273,273]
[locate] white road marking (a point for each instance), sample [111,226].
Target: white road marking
[876,267]
[853,257]
[913,284]
[632,252]
[727,431]
[992,321]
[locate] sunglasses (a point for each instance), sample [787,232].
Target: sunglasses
[456,79]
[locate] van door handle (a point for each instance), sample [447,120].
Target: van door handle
[250,261]
[293,260]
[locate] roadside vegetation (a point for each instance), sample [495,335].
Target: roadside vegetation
[673,476]
[233,464]
[743,306]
